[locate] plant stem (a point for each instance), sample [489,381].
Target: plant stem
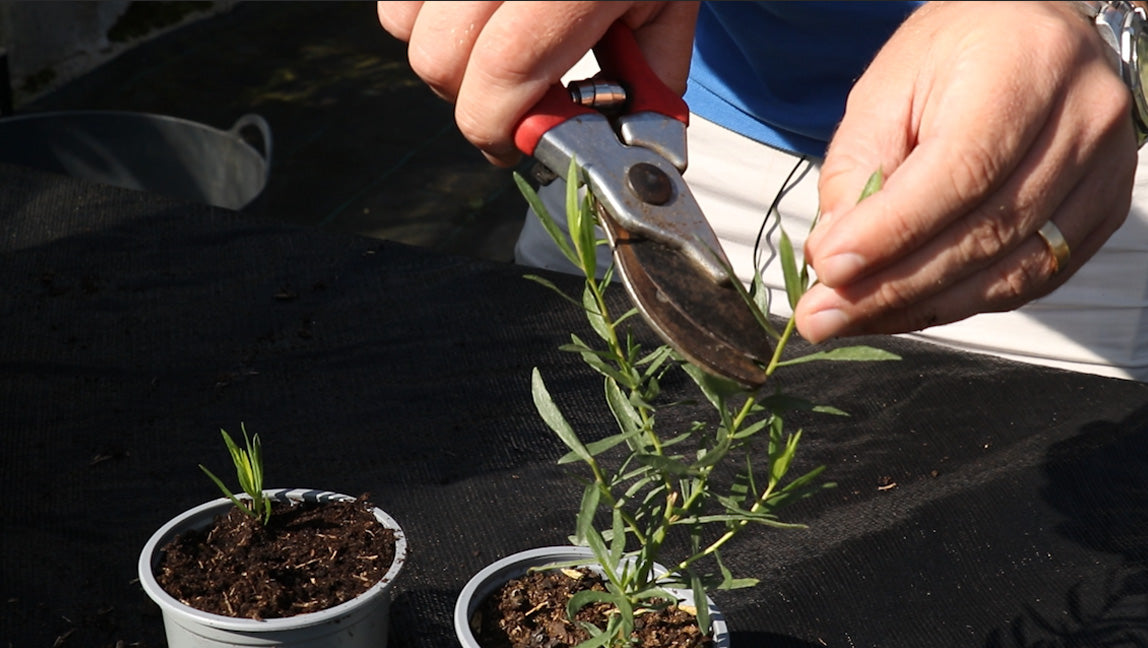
[746,409]
[727,536]
[790,327]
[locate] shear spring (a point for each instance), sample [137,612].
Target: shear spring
[598,94]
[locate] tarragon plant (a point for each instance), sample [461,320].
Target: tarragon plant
[249,469]
[646,481]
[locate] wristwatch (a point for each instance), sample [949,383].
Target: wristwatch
[1125,28]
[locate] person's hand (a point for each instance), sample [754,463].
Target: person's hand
[987,119]
[495,60]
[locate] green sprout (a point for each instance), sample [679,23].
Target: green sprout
[249,469]
[646,483]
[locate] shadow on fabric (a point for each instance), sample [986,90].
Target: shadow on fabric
[1099,481]
[769,639]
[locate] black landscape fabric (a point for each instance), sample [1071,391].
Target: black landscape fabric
[978,502]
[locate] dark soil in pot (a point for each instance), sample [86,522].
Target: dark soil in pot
[309,557]
[530,612]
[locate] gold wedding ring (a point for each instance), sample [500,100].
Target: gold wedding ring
[1054,239]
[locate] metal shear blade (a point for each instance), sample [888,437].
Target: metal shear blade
[667,255]
[708,324]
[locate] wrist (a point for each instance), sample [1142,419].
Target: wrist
[1124,28]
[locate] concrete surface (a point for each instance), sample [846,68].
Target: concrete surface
[51,43]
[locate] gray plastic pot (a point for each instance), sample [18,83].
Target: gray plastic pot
[485,582]
[362,622]
[143,151]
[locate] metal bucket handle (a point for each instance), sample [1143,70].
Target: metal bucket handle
[260,125]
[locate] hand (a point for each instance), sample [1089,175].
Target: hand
[988,119]
[495,60]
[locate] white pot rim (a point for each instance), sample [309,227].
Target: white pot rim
[204,513]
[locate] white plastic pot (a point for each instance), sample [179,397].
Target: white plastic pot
[485,582]
[362,622]
[143,151]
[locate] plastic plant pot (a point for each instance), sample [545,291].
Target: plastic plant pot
[485,582]
[361,622]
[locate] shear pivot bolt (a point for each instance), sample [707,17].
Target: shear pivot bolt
[650,184]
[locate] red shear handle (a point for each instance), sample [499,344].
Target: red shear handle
[554,108]
[621,61]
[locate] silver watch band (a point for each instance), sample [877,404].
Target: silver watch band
[1123,28]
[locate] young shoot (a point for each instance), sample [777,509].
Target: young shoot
[249,469]
[694,486]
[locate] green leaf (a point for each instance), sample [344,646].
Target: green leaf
[794,287]
[624,412]
[600,361]
[765,519]
[580,221]
[715,389]
[627,612]
[801,482]
[556,234]
[255,460]
[233,450]
[657,357]
[780,465]
[829,409]
[781,403]
[617,536]
[587,511]
[248,464]
[254,457]
[553,417]
[734,503]
[760,298]
[581,599]
[674,440]
[594,314]
[750,430]
[625,316]
[550,284]
[596,640]
[799,488]
[741,486]
[844,354]
[649,478]
[700,602]
[597,362]
[589,239]
[664,465]
[597,544]
[235,500]
[873,185]
[578,346]
[754,303]
[728,582]
[715,454]
[595,448]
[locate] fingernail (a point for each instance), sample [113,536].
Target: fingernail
[840,269]
[823,325]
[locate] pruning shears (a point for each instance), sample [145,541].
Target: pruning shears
[627,132]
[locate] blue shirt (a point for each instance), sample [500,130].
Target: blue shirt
[779,72]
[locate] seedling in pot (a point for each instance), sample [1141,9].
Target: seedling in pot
[232,557]
[249,469]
